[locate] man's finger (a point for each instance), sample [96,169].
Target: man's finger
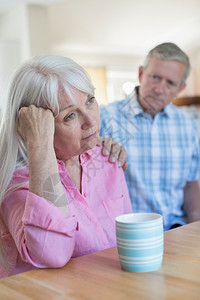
[107,143]
[125,166]
[122,157]
[99,141]
[114,152]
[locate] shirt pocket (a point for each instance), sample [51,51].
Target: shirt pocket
[179,165]
[114,207]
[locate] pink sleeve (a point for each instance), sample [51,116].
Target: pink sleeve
[44,236]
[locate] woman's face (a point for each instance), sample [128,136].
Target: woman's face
[77,125]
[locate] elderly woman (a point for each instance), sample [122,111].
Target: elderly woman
[59,195]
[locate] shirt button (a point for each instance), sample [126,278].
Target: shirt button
[85,194]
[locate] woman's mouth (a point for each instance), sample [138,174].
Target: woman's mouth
[90,136]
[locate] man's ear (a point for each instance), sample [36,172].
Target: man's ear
[181,87]
[140,73]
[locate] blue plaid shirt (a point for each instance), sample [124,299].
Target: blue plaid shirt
[163,154]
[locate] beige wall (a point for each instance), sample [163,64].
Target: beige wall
[196,68]
[197,81]
[14,27]
[14,44]
[38,26]
[98,78]
[28,30]
[193,82]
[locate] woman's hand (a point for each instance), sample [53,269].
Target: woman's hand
[114,151]
[36,125]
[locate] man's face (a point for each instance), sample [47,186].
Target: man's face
[160,83]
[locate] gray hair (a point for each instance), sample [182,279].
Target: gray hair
[169,51]
[35,82]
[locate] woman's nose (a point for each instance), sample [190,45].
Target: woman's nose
[88,122]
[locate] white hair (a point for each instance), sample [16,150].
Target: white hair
[36,82]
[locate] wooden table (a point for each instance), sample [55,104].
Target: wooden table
[98,276]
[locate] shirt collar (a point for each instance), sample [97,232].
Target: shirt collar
[90,153]
[134,108]
[93,151]
[168,109]
[131,105]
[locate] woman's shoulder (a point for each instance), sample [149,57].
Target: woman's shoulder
[99,161]
[96,155]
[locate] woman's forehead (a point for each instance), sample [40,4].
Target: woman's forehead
[74,98]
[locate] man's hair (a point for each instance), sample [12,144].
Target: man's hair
[169,51]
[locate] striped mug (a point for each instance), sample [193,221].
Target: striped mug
[140,241]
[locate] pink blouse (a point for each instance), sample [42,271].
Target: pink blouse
[36,234]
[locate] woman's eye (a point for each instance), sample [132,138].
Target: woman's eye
[91,100]
[69,117]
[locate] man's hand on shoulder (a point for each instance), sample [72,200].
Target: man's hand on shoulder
[114,151]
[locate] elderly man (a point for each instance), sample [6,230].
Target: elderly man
[160,139]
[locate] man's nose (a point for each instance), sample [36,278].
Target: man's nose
[160,87]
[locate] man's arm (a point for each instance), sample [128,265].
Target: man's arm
[192,201]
